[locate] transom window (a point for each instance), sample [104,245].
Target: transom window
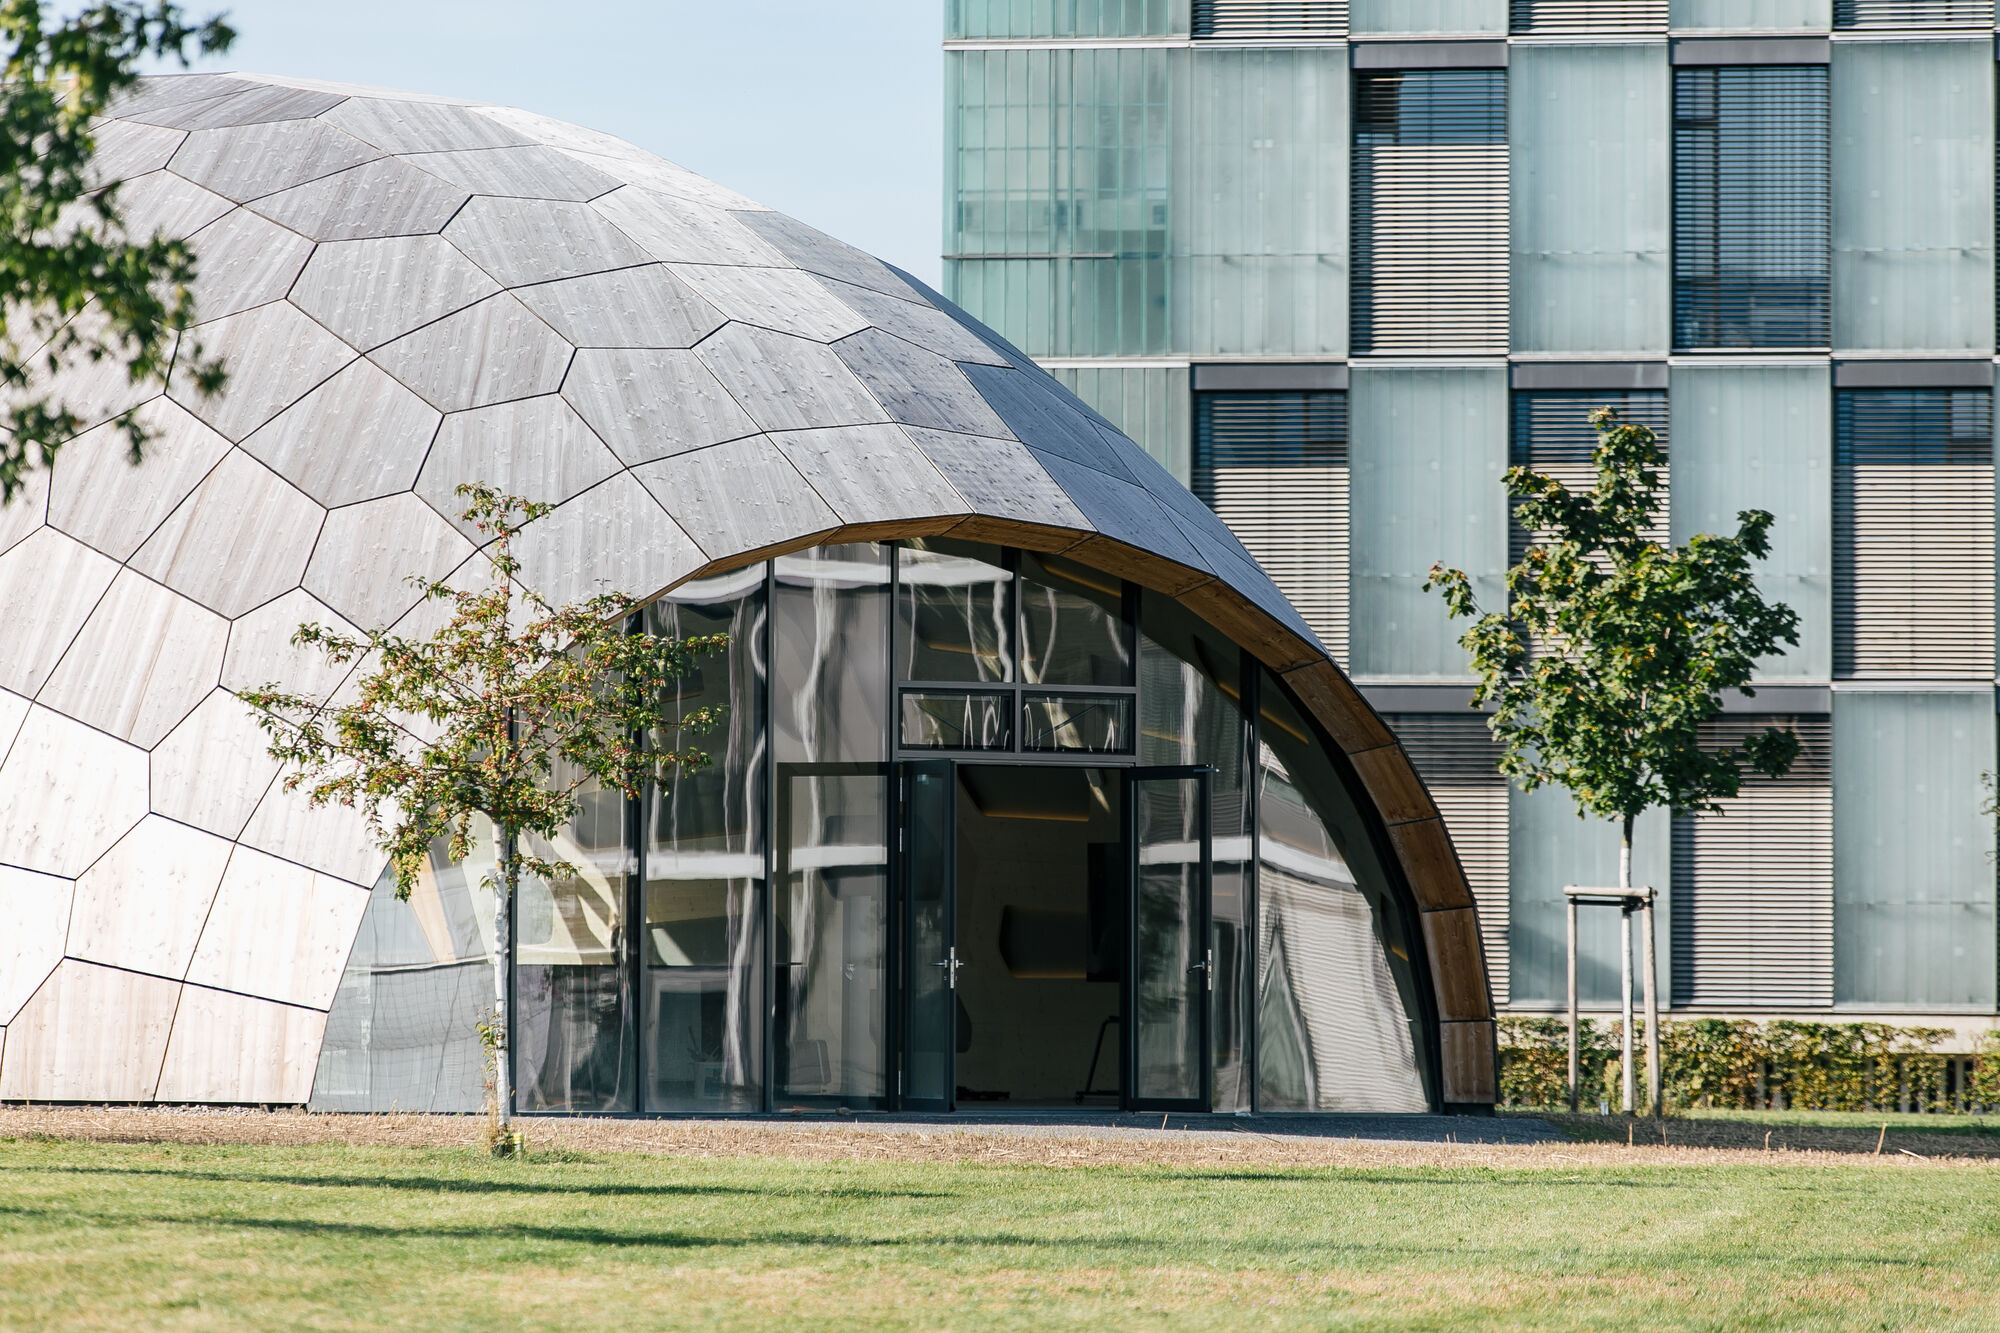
[1008,651]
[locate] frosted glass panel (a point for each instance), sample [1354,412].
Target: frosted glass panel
[1913,195]
[1588,128]
[1753,15]
[977,19]
[1548,847]
[1262,222]
[1427,450]
[1148,403]
[1056,191]
[1428,16]
[1913,894]
[1762,438]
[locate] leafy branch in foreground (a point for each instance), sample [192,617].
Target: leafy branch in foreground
[74,287]
[511,709]
[1615,648]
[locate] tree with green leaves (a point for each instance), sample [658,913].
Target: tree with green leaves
[75,288]
[1615,649]
[511,709]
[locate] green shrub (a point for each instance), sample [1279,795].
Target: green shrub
[1742,1064]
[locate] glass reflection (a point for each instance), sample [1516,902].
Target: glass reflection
[703,940]
[1072,624]
[1171,989]
[952,613]
[1082,723]
[572,1007]
[830,682]
[832,936]
[1190,691]
[952,720]
[1335,993]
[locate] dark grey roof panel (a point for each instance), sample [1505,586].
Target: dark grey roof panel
[1039,412]
[1122,510]
[918,388]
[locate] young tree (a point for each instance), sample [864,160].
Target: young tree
[1614,649]
[510,709]
[74,287]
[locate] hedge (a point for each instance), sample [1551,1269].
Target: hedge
[1740,1064]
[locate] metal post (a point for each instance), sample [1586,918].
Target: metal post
[1653,1071]
[1625,1002]
[1575,1062]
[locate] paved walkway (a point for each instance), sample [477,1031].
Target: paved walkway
[1175,1125]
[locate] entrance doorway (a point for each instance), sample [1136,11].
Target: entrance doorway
[1030,891]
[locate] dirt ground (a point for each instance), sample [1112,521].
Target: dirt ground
[1689,1142]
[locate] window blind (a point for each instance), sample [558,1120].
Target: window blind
[1551,433]
[1458,759]
[1273,466]
[1270,18]
[1752,214]
[1587,16]
[1430,211]
[1913,13]
[1753,885]
[1913,534]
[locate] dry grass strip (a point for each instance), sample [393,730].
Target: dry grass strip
[819,1142]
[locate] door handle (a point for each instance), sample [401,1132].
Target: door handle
[1206,966]
[952,965]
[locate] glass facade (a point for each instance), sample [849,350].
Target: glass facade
[1083,884]
[1749,212]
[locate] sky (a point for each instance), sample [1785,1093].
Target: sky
[829,110]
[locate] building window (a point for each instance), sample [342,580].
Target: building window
[1913,534]
[1274,467]
[1752,221]
[1058,187]
[1752,912]
[1270,18]
[1430,211]
[1551,433]
[1908,14]
[1564,17]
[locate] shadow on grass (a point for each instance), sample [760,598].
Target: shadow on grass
[1050,1252]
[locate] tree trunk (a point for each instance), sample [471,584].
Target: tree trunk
[1627,1093]
[503,1058]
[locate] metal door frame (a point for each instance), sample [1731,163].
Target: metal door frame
[904,932]
[1202,929]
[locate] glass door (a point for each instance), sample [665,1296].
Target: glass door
[1170,860]
[930,825]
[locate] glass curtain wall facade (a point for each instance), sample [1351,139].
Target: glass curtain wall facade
[761,933]
[1393,247]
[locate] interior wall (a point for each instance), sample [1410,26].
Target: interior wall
[1029,1016]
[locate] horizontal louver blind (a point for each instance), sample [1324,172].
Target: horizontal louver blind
[1752,220]
[1913,534]
[1552,434]
[1458,760]
[1430,211]
[1588,16]
[1753,885]
[1274,467]
[1270,18]
[1913,13]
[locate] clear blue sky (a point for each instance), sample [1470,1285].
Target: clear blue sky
[829,110]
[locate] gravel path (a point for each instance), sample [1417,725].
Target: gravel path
[1106,1141]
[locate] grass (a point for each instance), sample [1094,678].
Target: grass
[1976,1125]
[173,1235]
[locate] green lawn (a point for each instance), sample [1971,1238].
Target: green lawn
[174,1236]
